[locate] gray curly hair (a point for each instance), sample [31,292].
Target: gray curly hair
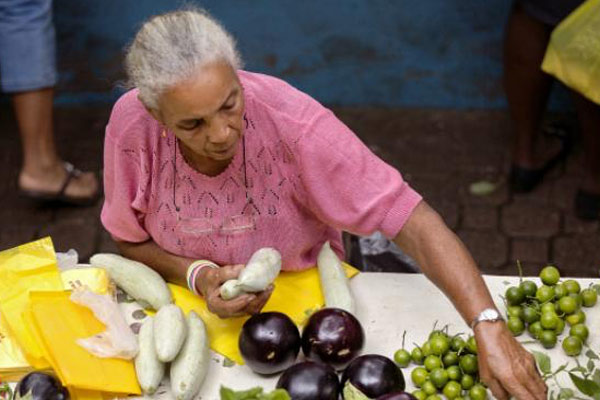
[168,48]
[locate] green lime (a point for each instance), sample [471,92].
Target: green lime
[432,362]
[420,395]
[419,375]
[535,329]
[550,275]
[452,390]
[467,381]
[572,346]
[514,295]
[530,315]
[549,320]
[578,298]
[514,311]
[567,304]
[547,339]
[454,373]
[402,358]
[439,345]
[560,326]
[515,326]
[577,318]
[581,331]
[437,332]
[417,355]
[457,343]
[529,288]
[572,286]
[560,291]
[472,345]
[547,307]
[478,392]
[429,388]
[426,349]
[450,358]
[544,293]
[468,363]
[590,297]
[434,397]
[439,377]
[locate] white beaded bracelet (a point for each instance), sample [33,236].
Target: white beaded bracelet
[194,269]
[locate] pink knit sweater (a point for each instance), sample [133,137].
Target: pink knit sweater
[303,179]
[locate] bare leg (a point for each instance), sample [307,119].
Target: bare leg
[527,87]
[42,167]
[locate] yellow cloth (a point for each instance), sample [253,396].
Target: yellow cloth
[296,294]
[573,54]
[25,268]
[59,322]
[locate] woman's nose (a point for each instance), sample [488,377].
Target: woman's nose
[219,132]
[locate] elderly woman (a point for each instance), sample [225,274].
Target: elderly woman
[206,163]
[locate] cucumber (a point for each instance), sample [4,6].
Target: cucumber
[260,271]
[139,281]
[170,330]
[189,368]
[148,368]
[334,282]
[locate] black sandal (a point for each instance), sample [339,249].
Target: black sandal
[524,180]
[61,196]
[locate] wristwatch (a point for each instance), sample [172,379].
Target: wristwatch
[489,314]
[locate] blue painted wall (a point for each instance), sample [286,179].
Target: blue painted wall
[420,53]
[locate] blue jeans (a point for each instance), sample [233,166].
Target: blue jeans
[27,45]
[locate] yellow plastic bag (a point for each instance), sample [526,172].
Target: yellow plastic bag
[25,268]
[573,54]
[296,294]
[59,323]
[94,278]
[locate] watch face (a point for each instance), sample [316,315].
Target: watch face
[490,314]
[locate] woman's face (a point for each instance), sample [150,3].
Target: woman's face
[205,112]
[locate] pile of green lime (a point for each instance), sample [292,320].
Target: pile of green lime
[446,365]
[545,311]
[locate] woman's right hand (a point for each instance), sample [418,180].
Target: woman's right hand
[208,283]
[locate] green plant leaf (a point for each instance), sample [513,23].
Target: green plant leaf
[579,369]
[591,366]
[585,386]
[596,377]
[591,355]
[543,362]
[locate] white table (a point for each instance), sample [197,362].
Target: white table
[388,304]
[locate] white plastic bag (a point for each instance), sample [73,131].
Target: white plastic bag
[117,340]
[67,260]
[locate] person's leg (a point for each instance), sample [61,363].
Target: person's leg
[587,204]
[43,170]
[526,86]
[27,72]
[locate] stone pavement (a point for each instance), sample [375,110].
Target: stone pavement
[440,152]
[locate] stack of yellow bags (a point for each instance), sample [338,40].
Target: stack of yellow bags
[39,325]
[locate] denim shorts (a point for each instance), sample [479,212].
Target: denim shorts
[27,45]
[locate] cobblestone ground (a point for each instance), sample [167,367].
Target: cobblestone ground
[439,152]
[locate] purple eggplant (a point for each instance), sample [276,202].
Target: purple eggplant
[373,375]
[40,386]
[332,336]
[310,380]
[269,342]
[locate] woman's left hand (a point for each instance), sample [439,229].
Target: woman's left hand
[505,366]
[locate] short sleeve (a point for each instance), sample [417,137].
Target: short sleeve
[125,179]
[347,185]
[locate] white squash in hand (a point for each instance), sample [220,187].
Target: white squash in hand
[148,368]
[260,271]
[334,282]
[170,330]
[189,368]
[138,280]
